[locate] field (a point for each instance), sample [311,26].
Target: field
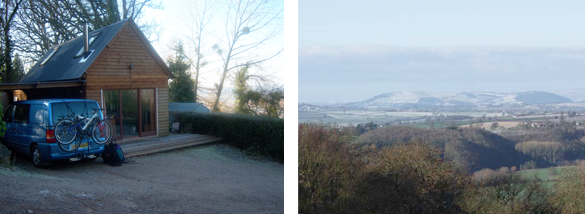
[354,117]
[502,124]
[549,176]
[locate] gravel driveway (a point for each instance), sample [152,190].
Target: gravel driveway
[209,179]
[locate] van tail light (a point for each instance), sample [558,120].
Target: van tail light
[51,136]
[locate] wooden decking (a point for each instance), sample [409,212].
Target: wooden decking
[163,144]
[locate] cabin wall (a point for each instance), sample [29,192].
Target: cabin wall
[111,71]
[163,111]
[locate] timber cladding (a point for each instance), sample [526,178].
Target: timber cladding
[111,71]
[163,111]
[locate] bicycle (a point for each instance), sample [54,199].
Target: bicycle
[73,125]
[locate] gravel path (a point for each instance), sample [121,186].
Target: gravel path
[210,179]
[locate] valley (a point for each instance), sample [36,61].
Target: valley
[426,110]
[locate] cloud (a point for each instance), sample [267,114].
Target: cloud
[375,69]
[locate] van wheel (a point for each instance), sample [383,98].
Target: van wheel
[37,157]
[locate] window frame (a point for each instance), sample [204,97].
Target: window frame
[26,114]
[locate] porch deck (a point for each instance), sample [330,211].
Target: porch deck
[136,147]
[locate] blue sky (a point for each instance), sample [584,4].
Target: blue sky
[351,51]
[442,23]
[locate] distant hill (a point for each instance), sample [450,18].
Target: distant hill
[472,148]
[309,107]
[539,97]
[577,95]
[409,99]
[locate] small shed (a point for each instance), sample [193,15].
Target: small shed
[175,108]
[188,107]
[119,69]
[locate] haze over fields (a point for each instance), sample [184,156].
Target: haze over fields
[335,74]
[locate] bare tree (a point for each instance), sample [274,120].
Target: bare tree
[8,9]
[249,24]
[199,16]
[134,9]
[43,24]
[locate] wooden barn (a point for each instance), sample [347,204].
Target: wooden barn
[116,66]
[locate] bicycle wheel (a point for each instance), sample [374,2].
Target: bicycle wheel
[71,147]
[65,131]
[101,132]
[65,134]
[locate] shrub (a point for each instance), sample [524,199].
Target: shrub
[411,178]
[254,134]
[569,191]
[508,193]
[325,168]
[336,176]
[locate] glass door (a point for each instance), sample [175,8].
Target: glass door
[130,115]
[112,99]
[147,111]
[132,112]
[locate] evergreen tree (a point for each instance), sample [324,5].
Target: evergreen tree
[259,101]
[181,87]
[17,70]
[243,93]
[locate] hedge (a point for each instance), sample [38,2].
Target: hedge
[253,134]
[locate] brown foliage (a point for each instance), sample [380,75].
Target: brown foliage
[336,177]
[474,149]
[325,165]
[409,178]
[549,151]
[507,193]
[569,194]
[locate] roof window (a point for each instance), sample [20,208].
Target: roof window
[91,40]
[51,53]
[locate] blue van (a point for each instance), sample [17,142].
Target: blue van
[29,129]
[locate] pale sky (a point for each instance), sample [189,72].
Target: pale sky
[354,50]
[172,19]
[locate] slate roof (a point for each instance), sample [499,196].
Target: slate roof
[188,107]
[63,66]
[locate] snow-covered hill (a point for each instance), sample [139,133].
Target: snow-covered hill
[409,99]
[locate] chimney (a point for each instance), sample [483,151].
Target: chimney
[85,38]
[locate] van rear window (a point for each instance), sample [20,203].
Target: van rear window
[37,114]
[83,108]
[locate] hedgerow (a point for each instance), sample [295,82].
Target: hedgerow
[253,134]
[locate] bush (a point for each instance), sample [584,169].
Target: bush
[338,176]
[508,193]
[410,178]
[569,190]
[254,134]
[325,169]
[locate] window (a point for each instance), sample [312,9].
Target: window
[133,112]
[82,108]
[37,114]
[91,39]
[8,114]
[21,112]
[49,56]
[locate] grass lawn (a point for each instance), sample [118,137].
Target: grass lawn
[549,176]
